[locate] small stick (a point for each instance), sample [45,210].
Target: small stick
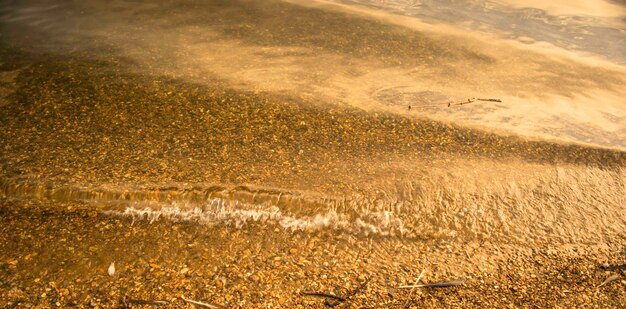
[320,294]
[440,284]
[472,100]
[449,104]
[354,292]
[198,303]
[147,302]
[413,290]
[610,279]
[463,103]
[332,303]
[613,267]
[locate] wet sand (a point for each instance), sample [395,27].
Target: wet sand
[58,257]
[197,185]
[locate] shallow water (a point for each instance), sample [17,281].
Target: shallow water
[123,104]
[515,202]
[557,70]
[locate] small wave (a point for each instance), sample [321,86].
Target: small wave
[220,211]
[516,202]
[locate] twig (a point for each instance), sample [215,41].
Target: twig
[147,302]
[354,292]
[610,279]
[613,267]
[198,303]
[320,294]
[472,100]
[462,102]
[332,303]
[490,100]
[440,284]
[450,104]
[413,290]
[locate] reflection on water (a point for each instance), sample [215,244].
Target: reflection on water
[597,27]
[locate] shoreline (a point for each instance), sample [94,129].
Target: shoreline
[59,255]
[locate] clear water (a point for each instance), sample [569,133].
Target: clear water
[557,69]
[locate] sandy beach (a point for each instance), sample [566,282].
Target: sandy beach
[59,256]
[246,160]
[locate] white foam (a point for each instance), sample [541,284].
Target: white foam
[239,215]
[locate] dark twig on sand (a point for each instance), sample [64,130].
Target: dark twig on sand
[332,303]
[613,267]
[472,100]
[152,303]
[450,104]
[334,300]
[320,294]
[354,292]
[199,303]
[440,284]
[147,302]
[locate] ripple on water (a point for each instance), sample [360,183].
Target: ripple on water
[513,202]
